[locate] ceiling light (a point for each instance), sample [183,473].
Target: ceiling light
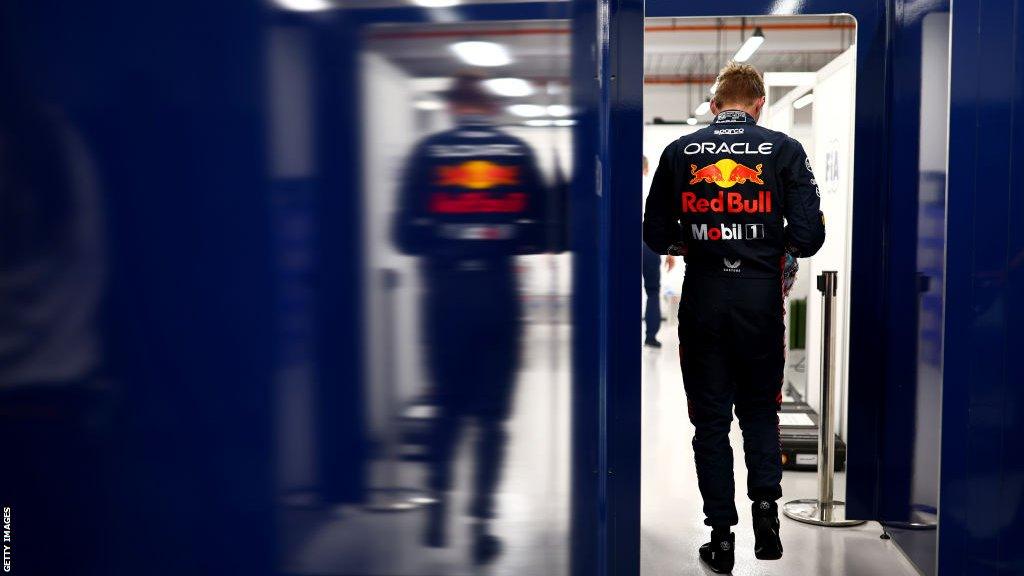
[539,122]
[554,88]
[436,3]
[565,122]
[691,120]
[476,53]
[428,105]
[527,110]
[512,87]
[304,5]
[750,46]
[714,87]
[558,110]
[703,109]
[803,101]
[431,84]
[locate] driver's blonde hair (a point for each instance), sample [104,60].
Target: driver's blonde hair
[738,84]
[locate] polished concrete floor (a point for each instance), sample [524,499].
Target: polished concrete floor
[672,523]
[533,498]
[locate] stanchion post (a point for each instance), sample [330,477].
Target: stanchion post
[825,510]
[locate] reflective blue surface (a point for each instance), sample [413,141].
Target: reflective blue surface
[982,515]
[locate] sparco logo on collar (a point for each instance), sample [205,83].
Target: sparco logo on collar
[725,148]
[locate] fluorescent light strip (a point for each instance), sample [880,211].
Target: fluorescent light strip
[431,84]
[428,105]
[748,48]
[476,53]
[703,109]
[527,110]
[511,87]
[304,5]
[558,110]
[436,3]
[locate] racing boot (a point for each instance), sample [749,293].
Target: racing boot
[720,553]
[435,530]
[486,546]
[767,544]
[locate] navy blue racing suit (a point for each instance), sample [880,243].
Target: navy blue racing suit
[734,198]
[472,199]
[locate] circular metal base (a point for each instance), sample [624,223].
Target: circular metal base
[814,512]
[397,500]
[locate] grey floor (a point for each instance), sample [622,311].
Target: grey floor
[534,497]
[672,523]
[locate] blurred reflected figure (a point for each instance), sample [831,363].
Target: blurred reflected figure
[472,199]
[54,411]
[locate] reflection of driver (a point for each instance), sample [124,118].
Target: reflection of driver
[472,198]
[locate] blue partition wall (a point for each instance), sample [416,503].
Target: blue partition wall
[981,512]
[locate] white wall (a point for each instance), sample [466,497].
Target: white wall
[389,133]
[671,102]
[833,121]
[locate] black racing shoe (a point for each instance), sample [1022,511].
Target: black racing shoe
[435,532]
[767,544]
[720,553]
[486,546]
[652,342]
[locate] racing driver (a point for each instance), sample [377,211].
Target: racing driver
[740,203]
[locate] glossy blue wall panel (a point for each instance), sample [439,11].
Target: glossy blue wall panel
[982,472]
[167,101]
[900,416]
[622,196]
[608,96]
[589,437]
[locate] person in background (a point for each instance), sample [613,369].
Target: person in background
[56,407]
[740,203]
[651,273]
[472,199]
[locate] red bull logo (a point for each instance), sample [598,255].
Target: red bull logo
[726,173]
[477,175]
[731,202]
[477,203]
